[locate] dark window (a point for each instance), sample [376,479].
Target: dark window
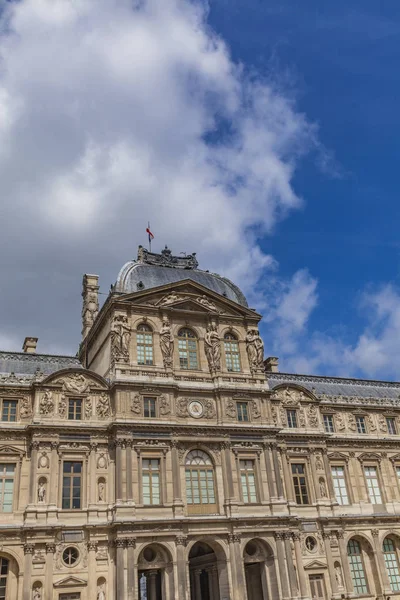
[300,483]
[9,410]
[391,425]
[70,556]
[242,411]
[291,418]
[361,427]
[149,407]
[3,578]
[329,424]
[74,409]
[72,484]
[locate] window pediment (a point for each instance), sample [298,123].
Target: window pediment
[11,451]
[70,582]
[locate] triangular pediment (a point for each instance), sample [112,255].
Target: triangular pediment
[70,581]
[190,296]
[315,564]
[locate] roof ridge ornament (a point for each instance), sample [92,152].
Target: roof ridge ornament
[167,259]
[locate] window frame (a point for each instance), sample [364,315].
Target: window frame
[366,591]
[306,484]
[363,422]
[254,471]
[153,399]
[393,421]
[75,402]
[13,402]
[149,471]
[82,477]
[201,508]
[331,428]
[186,350]
[368,465]
[13,463]
[346,482]
[148,331]
[5,576]
[239,413]
[292,423]
[230,355]
[389,567]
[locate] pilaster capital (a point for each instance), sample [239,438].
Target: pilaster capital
[326,535]
[279,535]
[181,540]
[375,533]
[233,537]
[340,534]
[131,542]
[120,443]
[225,445]
[93,446]
[29,548]
[34,445]
[92,546]
[174,443]
[296,536]
[50,548]
[120,543]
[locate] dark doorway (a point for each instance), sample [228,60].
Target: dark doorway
[150,585]
[254,581]
[204,582]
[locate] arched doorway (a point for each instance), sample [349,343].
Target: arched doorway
[154,573]
[203,568]
[260,573]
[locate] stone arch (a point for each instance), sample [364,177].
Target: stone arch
[260,570]
[281,387]
[208,569]
[155,570]
[234,331]
[144,321]
[369,562]
[90,375]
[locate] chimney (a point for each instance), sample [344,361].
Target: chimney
[30,345]
[90,307]
[271,364]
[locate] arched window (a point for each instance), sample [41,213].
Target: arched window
[200,484]
[392,564]
[3,578]
[232,355]
[144,340]
[187,346]
[357,567]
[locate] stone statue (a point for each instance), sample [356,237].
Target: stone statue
[322,488]
[255,350]
[167,344]
[213,348]
[170,299]
[206,302]
[101,595]
[41,491]
[120,338]
[103,409]
[37,593]
[101,490]
[338,576]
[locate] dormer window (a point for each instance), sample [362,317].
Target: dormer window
[187,347]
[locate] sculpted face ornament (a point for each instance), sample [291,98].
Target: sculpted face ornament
[195,409]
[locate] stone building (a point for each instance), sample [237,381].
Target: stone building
[170,461]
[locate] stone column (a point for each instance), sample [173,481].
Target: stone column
[92,475]
[290,565]
[48,582]
[345,562]
[380,565]
[120,579]
[280,552]
[152,585]
[32,473]
[328,473]
[92,580]
[286,475]
[278,478]
[237,566]
[176,482]
[300,567]
[214,583]
[329,559]
[53,474]
[268,466]
[129,486]
[226,449]
[131,544]
[181,542]
[27,581]
[118,471]
[197,586]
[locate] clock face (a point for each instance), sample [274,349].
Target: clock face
[195,409]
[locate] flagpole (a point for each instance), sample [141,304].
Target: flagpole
[148,223]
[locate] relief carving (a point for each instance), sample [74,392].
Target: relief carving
[167,344]
[88,408]
[204,301]
[340,422]
[120,338]
[165,405]
[230,409]
[103,407]
[76,383]
[43,460]
[209,409]
[302,417]
[212,346]
[274,415]
[181,407]
[313,416]
[382,424]
[282,413]
[25,407]
[289,396]
[255,409]
[255,350]
[171,298]
[46,404]
[136,405]
[351,422]
[371,423]
[62,407]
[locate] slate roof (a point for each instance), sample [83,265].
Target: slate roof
[151,270]
[23,363]
[337,386]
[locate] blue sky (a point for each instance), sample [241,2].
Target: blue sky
[266,130]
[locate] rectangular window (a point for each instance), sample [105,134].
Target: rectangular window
[7,472]
[75,409]
[391,425]
[291,416]
[248,480]
[242,411]
[374,492]
[9,410]
[151,480]
[329,424]
[149,407]
[72,485]
[339,485]
[300,483]
[360,422]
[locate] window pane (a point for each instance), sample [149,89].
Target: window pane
[9,410]
[144,345]
[374,492]
[392,565]
[232,354]
[391,425]
[328,424]
[6,487]
[339,485]
[242,411]
[360,421]
[357,567]
[291,418]
[72,484]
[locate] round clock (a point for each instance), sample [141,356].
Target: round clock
[195,409]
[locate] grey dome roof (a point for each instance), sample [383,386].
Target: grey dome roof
[151,270]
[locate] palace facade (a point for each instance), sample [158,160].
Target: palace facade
[171,461]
